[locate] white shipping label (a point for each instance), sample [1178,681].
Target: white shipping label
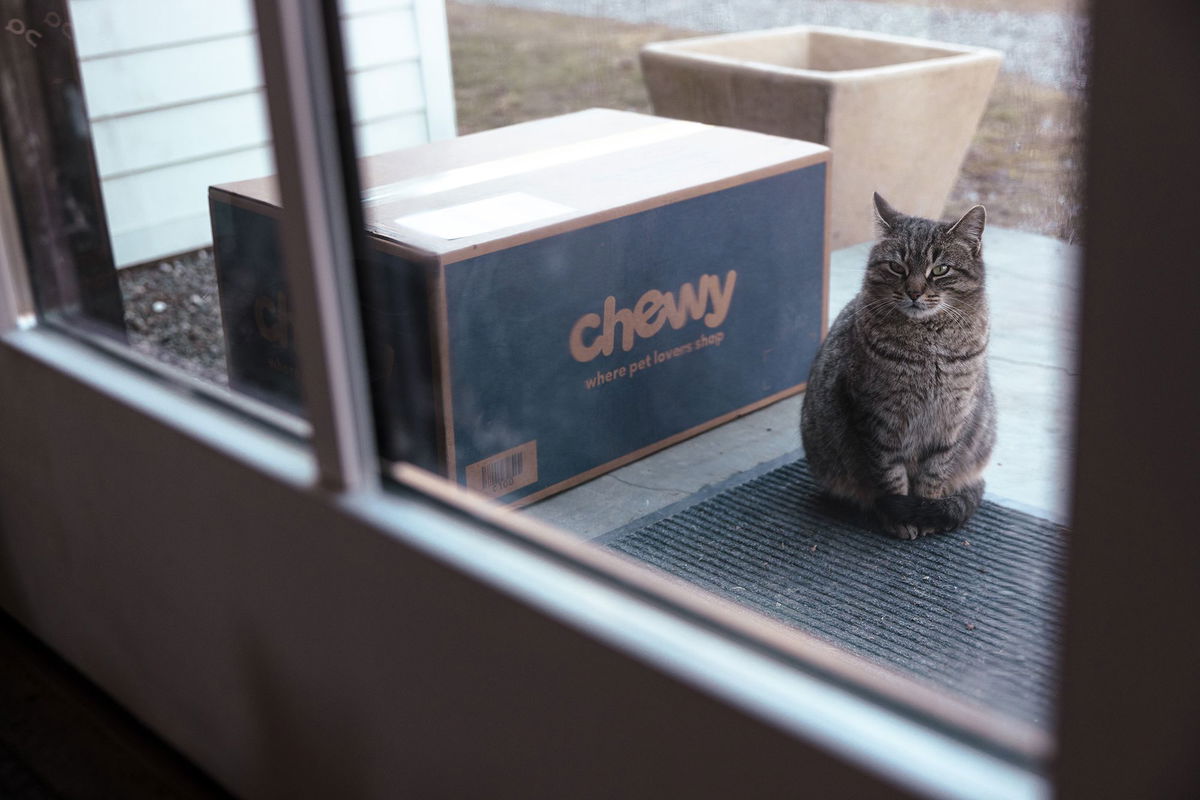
[484,216]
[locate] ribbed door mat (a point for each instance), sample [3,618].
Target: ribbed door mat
[975,611]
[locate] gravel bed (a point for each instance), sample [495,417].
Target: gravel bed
[172,313]
[1046,47]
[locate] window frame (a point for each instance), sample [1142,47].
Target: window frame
[17,309]
[315,232]
[227,602]
[786,723]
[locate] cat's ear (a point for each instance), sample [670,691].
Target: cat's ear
[969,228]
[885,215]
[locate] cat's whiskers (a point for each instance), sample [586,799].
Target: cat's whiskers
[871,311]
[869,306]
[959,317]
[958,312]
[880,311]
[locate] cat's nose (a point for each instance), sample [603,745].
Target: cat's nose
[914,294]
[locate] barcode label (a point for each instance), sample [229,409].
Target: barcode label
[505,472]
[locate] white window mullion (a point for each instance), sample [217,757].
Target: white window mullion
[316,242]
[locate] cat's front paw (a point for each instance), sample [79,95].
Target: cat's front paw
[895,517]
[902,530]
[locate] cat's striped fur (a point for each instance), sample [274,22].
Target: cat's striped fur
[898,417]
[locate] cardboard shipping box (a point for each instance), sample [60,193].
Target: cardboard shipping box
[550,300]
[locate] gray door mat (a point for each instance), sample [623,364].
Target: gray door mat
[976,612]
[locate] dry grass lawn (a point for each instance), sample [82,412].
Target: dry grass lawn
[513,65]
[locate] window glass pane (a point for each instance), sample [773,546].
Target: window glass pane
[589,306]
[128,128]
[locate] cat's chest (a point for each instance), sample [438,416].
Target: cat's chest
[915,360]
[924,379]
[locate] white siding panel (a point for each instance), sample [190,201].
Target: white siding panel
[175,192]
[150,79]
[171,135]
[114,26]
[162,239]
[386,91]
[378,39]
[174,91]
[407,130]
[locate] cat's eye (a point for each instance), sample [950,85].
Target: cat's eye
[939,270]
[897,268]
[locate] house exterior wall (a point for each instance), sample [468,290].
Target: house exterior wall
[175,99]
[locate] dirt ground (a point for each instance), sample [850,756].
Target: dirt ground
[513,65]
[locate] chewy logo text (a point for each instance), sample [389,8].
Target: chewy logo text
[652,310]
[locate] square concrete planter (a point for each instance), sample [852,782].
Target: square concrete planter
[898,113]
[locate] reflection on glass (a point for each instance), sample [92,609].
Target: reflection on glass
[585,309]
[53,168]
[127,128]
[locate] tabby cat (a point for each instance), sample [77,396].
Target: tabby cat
[899,418]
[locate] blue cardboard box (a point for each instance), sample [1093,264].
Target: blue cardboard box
[557,298]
